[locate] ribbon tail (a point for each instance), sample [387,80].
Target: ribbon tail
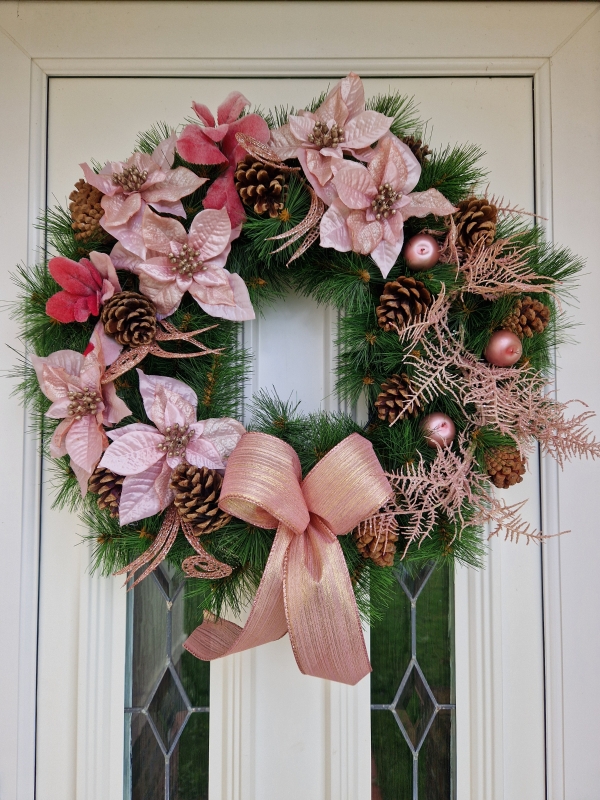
[158,550]
[322,617]
[266,623]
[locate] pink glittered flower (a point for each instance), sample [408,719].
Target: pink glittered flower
[368,216]
[72,382]
[147,455]
[213,142]
[320,138]
[192,263]
[86,285]
[129,186]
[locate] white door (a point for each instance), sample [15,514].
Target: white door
[275,733]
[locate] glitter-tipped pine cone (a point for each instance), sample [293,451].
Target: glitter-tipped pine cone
[260,186]
[402,303]
[475,221]
[373,542]
[130,318]
[197,491]
[108,487]
[505,466]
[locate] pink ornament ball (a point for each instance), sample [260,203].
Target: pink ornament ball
[438,429]
[421,252]
[504,349]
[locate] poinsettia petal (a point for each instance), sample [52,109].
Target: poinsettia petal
[54,371]
[224,433]
[84,442]
[365,235]
[365,128]
[430,202]
[386,254]
[102,181]
[124,259]
[194,147]
[205,114]
[116,409]
[328,192]
[143,495]
[129,234]
[231,108]
[210,232]
[353,93]
[178,183]
[283,142]
[223,194]
[165,293]
[202,453]
[251,125]
[355,186]
[105,346]
[61,307]
[83,477]
[148,385]
[159,232]
[333,109]
[301,128]
[57,442]
[164,152]
[133,452]
[170,408]
[242,308]
[212,292]
[116,433]
[118,210]
[412,165]
[320,166]
[103,263]
[77,278]
[334,230]
[59,409]
[216,135]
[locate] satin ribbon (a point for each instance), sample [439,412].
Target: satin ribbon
[305,589]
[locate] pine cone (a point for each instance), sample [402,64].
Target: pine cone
[260,186]
[475,221]
[505,466]
[403,302]
[392,399]
[528,317]
[376,544]
[130,318]
[197,491]
[419,150]
[86,211]
[108,487]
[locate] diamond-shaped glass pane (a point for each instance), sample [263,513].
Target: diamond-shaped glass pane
[149,635]
[170,579]
[147,762]
[415,707]
[168,709]
[413,583]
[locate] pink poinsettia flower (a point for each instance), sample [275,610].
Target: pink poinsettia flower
[72,382]
[86,285]
[368,216]
[319,139]
[192,263]
[215,143]
[129,186]
[147,455]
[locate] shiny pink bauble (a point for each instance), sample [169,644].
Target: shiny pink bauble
[504,349]
[421,252]
[438,429]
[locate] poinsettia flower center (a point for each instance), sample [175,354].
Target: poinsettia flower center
[177,438]
[187,261]
[83,403]
[383,202]
[322,136]
[130,179]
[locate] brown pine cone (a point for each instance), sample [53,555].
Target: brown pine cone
[108,487]
[260,186]
[528,317]
[130,318]
[419,150]
[403,302]
[393,397]
[375,544]
[86,211]
[475,221]
[197,491]
[505,466]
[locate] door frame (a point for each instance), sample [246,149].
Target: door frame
[566,43]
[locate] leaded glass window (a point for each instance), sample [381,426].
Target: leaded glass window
[412,693]
[166,695]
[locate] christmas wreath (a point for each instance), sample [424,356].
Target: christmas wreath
[450,310]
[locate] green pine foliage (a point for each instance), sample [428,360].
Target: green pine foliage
[366,357]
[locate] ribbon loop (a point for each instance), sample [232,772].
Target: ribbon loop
[305,589]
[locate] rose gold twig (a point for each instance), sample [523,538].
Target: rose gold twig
[262,152]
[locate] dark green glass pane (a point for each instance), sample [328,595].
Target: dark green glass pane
[415,707]
[390,649]
[434,633]
[194,674]
[147,762]
[189,761]
[391,760]
[435,759]
[167,709]
[149,636]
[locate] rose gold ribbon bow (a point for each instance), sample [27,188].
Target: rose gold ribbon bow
[305,589]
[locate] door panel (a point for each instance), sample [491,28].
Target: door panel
[284,746]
